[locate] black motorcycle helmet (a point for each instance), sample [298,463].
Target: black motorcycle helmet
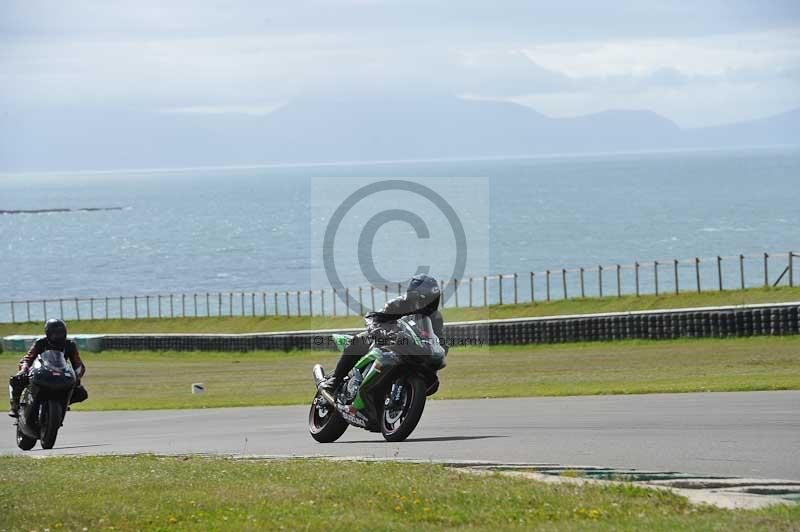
[55,331]
[423,293]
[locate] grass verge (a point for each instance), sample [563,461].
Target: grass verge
[194,493]
[552,308]
[152,380]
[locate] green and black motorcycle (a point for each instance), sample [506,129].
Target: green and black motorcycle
[386,390]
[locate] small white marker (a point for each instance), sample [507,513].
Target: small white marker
[198,387]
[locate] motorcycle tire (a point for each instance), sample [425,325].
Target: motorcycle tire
[51,422]
[395,426]
[24,442]
[327,428]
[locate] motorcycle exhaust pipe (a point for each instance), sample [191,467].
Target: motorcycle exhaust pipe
[319,376]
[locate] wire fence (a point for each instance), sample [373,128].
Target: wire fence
[657,277]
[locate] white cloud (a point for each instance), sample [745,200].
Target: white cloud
[161,60]
[695,82]
[706,56]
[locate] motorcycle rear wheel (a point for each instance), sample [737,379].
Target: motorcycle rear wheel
[399,421]
[51,422]
[24,442]
[324,423]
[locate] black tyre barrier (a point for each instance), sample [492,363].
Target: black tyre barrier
[720,322]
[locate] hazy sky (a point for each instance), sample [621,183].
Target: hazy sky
[697,63]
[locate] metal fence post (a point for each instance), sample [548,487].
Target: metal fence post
[288,310]
[264,304]
[719,271]
[547,276]
[183,305]
[333,302]
[299,311]
[399,289]
[310,304]
[791,269]
[44,307]
[583,285]
[470,291]
[485,291]
[171,309]
[516,300]
[347,301]
[500,281]
[655,274]
[275,298]
[600,279]
[360,302]
[697,272]
[13,317]
[741,270]
[564,281]
[619,287]
[533,287]
[385,294]
[61,308]
[322,302]
[677,289]
[121,309]
[159,305]
[455,290]
[106,308]
[636,272]
[136,307]
[91,310]
[766,270]
[253,304]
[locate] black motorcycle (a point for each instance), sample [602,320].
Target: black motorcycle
[43,403]
[386,390]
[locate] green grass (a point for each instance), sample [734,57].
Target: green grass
[144,380]
[194,493]
[553,308]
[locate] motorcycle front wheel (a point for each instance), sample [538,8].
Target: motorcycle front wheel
[324,422]
[24,442]
[403,404]
[50,423]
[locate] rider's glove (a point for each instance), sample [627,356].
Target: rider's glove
[383,335]
[20,379]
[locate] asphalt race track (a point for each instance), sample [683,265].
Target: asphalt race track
[747,434]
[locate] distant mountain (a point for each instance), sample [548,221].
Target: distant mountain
[362,129]
[779,129]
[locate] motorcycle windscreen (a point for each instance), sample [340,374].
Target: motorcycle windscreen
[54,360]
[423,328]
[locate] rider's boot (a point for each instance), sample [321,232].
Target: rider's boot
[330,383]
[14,394]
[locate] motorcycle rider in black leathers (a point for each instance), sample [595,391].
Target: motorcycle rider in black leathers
[55,338]
[422,297]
